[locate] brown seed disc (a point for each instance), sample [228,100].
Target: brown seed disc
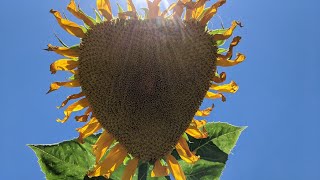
[145,79]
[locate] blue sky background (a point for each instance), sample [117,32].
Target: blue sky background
[278,97]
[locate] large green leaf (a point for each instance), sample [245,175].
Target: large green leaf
[72,160]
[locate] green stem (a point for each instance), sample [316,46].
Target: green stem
[143,171]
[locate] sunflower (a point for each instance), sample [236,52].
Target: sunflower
[142,79]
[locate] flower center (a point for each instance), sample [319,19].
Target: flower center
[145,79]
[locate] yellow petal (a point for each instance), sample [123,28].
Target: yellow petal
[165,12]
[178,9]
[159,170]
[226,63]
[235,42]
[69,26]
[113,160]
[88,129]
[175,168]
[211,95]
[72,7]
[73,96]
[184,151]
[84,118]
[198,123]
[72,52]
[211,12]
[205,112]
[56,85]
[105,8]
[77,106]
[219,78]
[63,65]
[198,8]
[131,14]
[228,33]
[154,9]
[232,87]
[130,169]
[197,132]
[131,6]
[102,145]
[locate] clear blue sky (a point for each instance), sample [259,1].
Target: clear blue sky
[278,97]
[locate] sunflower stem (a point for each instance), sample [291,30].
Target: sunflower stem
[143,171]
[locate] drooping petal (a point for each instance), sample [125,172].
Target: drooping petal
[72,7]
[76,106]
[211,12]
[105,8]
[70,52]
[228,33]
[198,123]
[63,65]
[88,129]
[219,78]
[130,169]
[56,85]
[178,9]
[85,116]
[211,95]
[232,87]
[73,96]
[102,145]
[113,160]
[185,153]
[226,63]
[159,170]
[175,168]
[197,132]
[205,112]
[69,26]
[235,42]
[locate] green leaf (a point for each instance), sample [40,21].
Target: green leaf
[218,31]
[222,50]
[66,160]
[98,16]
[213,151]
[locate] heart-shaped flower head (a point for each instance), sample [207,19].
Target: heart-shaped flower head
[142,79]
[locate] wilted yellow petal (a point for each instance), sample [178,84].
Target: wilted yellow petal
[131,6]
[130,169]
[85,116]
[232,87]
[197,132]
[73,96]
[165,12]
[159,170]
[211,12]
[56,85]
[105,8]
[235,42]
[113,160]
[205,112]
[63,65]
[102,145]
[154,9]
[175,168]
[228,33]
[71,52]
[198,8]
[71,27]
[77,106]
[211,95]
[185,153]
[226,63]
[72,7]
[219,78]
[198,123]
[88,129]
[178,9]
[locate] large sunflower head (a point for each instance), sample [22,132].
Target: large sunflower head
[142,79]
